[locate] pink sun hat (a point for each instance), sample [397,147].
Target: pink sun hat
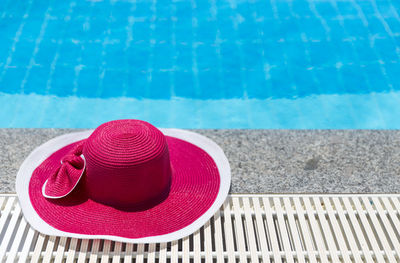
[125,181]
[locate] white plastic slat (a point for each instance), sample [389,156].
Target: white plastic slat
[17,240]
[207,243]
[347,230]
[32,235]
[261,231]
[106,251]
[140,252]
[326,231]
[72,250]
[9,231]
[60,250]
[228,231]
[117,253]
[38,248]
[396,202]
[368,229]
[186,249]
[239,230]
[163,253]
[306,233]
[152,253]
[389,230]
[94,252]
[219,248]
[338,232]
[294,230]
[128,252]
[196,246]
[379,230]
[395,220]
[359,236]
[2,200]
[48,253]
[319,239]
[271,232]
[174,251]
[250,230]
[83,251]
[6,213]
[281,228]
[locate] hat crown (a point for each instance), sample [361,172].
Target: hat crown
[127,164]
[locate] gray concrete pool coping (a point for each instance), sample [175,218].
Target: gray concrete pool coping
[268,161]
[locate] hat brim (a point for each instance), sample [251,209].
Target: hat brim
[200,184]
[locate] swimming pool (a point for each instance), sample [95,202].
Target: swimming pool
[201,64]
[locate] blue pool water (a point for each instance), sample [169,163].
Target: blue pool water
[201,63]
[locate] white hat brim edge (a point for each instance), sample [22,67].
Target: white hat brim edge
[42,152]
